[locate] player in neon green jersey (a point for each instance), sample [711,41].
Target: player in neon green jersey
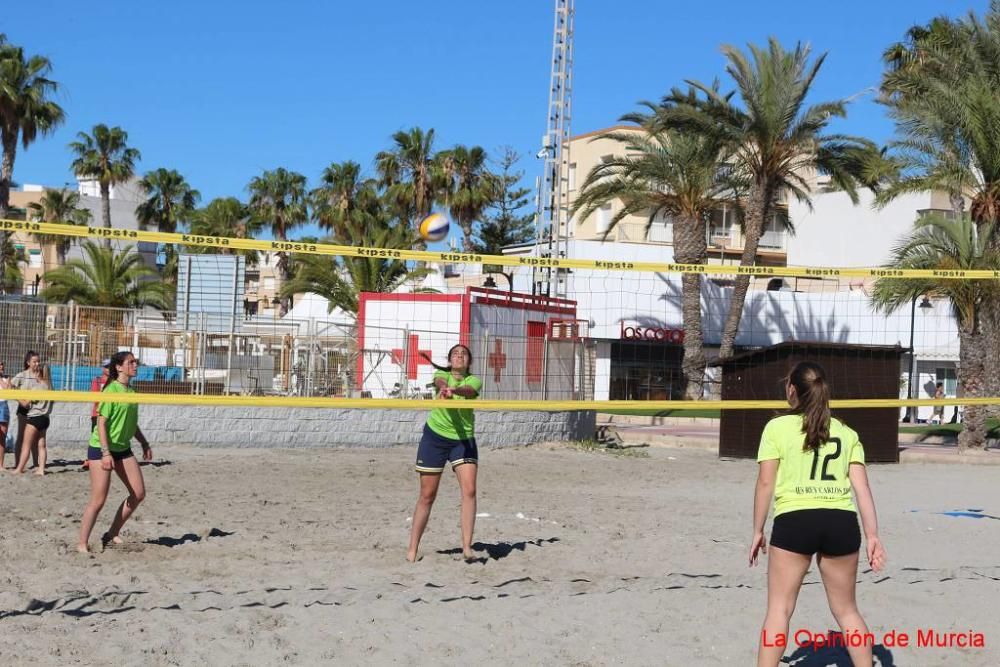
[809,463]
[111,449]
[449,436]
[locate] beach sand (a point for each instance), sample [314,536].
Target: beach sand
[292,556]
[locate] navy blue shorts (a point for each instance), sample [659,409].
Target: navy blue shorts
[435,451]
[94,454]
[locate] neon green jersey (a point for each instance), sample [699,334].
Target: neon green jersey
[810,479]
[122,420]
[455,424]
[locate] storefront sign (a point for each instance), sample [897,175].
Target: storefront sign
[660,334]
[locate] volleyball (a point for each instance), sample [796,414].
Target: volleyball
[434,227]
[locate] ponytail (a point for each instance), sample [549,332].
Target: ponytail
[813,393]
[447,369]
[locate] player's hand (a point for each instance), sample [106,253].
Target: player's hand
[147,453]
[876,553]
[446,393]
[107,463]
[757,546]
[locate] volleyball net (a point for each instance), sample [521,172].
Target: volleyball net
[257,322]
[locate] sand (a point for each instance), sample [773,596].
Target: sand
[296,557]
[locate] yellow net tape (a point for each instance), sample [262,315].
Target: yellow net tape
[223,242]
[484,404]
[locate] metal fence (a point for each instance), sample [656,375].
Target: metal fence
[209,354]
[195,354]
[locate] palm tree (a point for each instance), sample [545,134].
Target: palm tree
[342,199]
[60,207]
[106,278]
[170,202]
[11,278]
[940,89]
[340,281]
[950,245]
[26,111]
[470,188]
[775,140]
[104,155]
[278,198]
[666,173]
[412,177]
[226,216]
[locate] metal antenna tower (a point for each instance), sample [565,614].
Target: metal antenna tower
[552,204]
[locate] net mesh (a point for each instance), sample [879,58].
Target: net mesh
[215,316]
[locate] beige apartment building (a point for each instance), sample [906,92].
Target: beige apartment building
[725,241]
[263,281]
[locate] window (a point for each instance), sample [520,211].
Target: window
[720,225]
[774,232]
[35,258]
[604,219]
[572,176]
[269,284]
[661,230]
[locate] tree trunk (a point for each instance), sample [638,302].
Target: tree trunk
[988,327]
[690,248]
[284,261]
[758,207]
[106,210]
[466,226]
[6,173]
[989,333]
[971,382]
[957,202]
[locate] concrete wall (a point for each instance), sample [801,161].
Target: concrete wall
[213,426]
[835,232]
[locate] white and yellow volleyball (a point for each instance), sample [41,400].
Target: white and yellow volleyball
[434,227]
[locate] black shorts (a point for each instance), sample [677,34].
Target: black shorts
[435,451]
[41,422]
[94,454]
[824,531]
[22,411]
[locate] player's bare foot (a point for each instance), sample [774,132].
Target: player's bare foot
[109,542]
[83,549]
[412,557]
[40,473]
[469,555]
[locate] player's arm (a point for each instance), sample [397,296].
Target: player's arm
[767,473]
[869,519]
[465,392]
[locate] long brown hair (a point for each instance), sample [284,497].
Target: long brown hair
[447,369]
[116,360]
[813,393]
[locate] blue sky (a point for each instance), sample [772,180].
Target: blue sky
[222,90]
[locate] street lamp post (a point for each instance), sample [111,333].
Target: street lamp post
[491,284]
[911,411]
